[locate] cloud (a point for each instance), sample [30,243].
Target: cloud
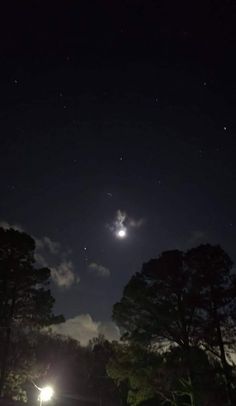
[41,243]
[40,260]
[7,226]
[63,275]
[119,221]
[136,223]
[109,330]
[46,243]
[100,270]
[120,218]
[123,221]
[49,253]
[83,328]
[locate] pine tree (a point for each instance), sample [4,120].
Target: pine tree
[25,298]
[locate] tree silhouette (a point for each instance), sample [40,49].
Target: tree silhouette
[212,274]
[25,299]
[135,371]
[158,305]
[161,377]
[170,301]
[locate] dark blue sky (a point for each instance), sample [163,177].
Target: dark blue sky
[90,129]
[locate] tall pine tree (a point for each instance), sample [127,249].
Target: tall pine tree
[25,298]
[212,273]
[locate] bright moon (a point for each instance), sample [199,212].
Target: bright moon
[121,233]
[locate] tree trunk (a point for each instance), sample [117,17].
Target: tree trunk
[4,360]
[193,396]
[187,353]
[6,345]
[225,364]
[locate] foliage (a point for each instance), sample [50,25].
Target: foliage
[213,275]
[136,367]
[147,375]
[158,303]
[177,318]
[72,369]
[24,294]
[184,300]
[25,298]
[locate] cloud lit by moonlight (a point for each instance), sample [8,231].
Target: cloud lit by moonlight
[119,227]
[122,223]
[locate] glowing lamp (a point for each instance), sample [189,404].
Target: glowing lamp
[46,394]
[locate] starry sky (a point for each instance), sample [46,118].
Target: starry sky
[116,114]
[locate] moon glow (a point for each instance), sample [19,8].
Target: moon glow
[121,233]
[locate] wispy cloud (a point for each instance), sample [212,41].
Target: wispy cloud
[40,260]
[121,216]
[122,221]
[7,226]
[99,270]
[83,328]
[136,223]
[47,243]
[63,275]
[49,253]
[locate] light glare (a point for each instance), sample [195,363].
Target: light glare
[46,394]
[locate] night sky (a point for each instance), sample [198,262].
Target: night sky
[116,115]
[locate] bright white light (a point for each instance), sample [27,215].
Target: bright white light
[46,394]
[121,233]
